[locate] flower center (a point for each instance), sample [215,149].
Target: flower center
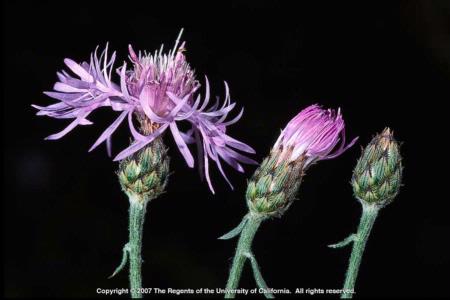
[147,125]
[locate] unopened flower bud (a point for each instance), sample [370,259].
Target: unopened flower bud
[143,176]
[377,175]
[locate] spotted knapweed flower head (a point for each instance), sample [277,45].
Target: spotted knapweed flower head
[313,135]
[159,91]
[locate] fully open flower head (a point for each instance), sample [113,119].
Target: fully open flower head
[313,135]
[159,91]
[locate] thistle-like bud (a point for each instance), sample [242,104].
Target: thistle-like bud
[377,175]
[143,176]
[311,136]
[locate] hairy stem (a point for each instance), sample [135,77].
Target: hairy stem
[369,214]
[243,252]
[260,282]
[136,229]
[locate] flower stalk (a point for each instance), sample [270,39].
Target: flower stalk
[136,230]
[249,226]
[133,249]
[359,240]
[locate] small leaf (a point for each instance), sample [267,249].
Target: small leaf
[351,238]
[236,230]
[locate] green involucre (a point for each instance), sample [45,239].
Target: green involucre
[377,175]
[145,174]
[274,185]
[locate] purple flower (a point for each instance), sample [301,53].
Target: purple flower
[159,91]
[313,135]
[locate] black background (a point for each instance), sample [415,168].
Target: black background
[65,218]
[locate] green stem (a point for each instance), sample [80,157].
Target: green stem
[243,247]
[369,214]
[136,229]
[260,282]
[244,252]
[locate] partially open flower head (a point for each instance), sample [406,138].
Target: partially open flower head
[159,91]
[377,176]
[313,135]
